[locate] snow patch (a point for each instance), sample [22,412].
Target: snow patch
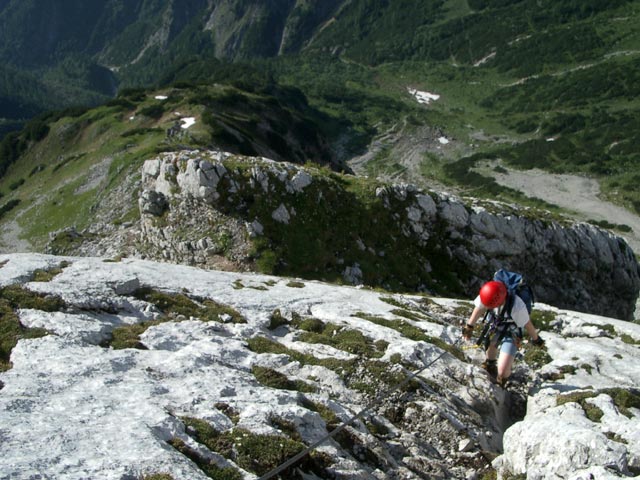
[187,122]
[423,97]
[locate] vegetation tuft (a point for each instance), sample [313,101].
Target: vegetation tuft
[274,379]
[414,333]
[623,398]
[174,307]
[352,341]
[255,453]
[209,468]
[12,298]
[362,374]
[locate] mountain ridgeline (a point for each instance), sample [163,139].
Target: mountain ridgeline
[534,83]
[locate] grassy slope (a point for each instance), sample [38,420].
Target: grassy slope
[578,86]
[72,161]
[563,73]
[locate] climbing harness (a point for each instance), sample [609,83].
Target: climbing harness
[498,327]
[381,396]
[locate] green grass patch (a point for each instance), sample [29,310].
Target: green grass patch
[414,333]
[276,319]
[329,416]
[12,298]
[209,468]
[463,311]
[46,275]
[228,410]
[607,328]
[411,315]
[175,305]
[615,437]
[128,336]
[274,379]
[623,398]
[535,356]
[362,374]
[287,428]
[628,339]
[258,454]
[342,338]
[309,324]
[542,319]
[586,367]
[158,476]
[593,413]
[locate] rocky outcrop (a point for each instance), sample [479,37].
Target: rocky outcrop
[397,236]
[124,363]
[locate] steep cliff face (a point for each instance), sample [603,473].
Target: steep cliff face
[117,32]
[201,207]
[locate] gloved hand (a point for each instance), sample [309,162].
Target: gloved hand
[538,342]
[467,331]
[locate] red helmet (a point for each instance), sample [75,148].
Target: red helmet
[493,294]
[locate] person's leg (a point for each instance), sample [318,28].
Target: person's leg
[490,363]
[508,351]
[505,361]
[492,352]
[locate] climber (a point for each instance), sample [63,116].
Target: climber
[507,314]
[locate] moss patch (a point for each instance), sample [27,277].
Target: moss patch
[331,419]
[209,468]
[342,338]
[174,307]
[228,410]
[274,379]
[414,333]
[46,275]
[629,339]
[276,319]
[535,356]
[624,399]
[258,454]
[367,376]
[542,319]
[12,298]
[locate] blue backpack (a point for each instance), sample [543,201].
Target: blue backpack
[515,286]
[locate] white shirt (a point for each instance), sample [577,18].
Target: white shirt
[519,312]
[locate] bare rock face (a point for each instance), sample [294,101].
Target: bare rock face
[195,206]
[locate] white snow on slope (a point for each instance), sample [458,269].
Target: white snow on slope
[423,97]
[187,122]
[72,409]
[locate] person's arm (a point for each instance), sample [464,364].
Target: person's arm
[533,334]
[467,330]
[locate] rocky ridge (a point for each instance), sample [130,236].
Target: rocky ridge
[193,203]
[75,402]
